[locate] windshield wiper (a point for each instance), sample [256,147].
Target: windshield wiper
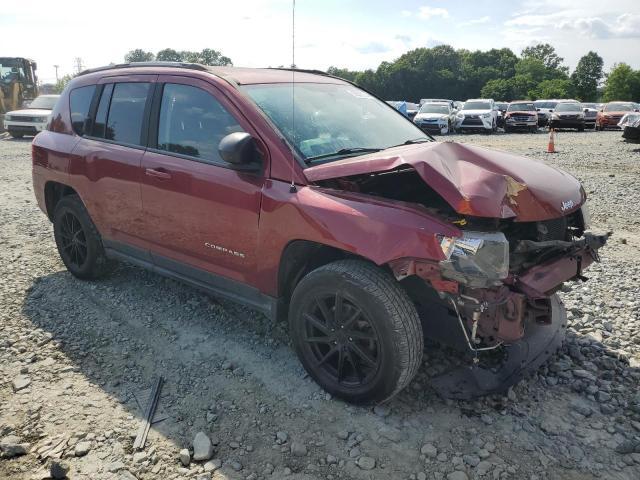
[414,141]
[344,151]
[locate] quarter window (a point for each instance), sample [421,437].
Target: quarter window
[79,103]
[126,112]
[192,122]
[99,126]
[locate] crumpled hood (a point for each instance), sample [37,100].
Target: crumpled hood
[473,180]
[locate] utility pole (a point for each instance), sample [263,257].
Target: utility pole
[79,65]
[56,67]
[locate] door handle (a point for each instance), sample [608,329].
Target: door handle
[159,173]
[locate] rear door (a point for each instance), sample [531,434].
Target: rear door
[199,214]
[112,149]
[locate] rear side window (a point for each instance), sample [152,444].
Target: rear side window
[100,124]
[192,122]
[126,112]
[79,104]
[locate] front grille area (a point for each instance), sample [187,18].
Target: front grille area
[522,118]
[22,118]
[568,117]
[555,229]
[472,121]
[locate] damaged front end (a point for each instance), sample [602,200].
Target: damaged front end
[492,292]
[500,289]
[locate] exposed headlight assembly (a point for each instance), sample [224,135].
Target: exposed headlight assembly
[477,259]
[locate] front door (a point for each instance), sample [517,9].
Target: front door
[199,214]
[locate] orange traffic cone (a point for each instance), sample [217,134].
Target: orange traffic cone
[551,148]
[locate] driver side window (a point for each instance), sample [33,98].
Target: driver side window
[192,122]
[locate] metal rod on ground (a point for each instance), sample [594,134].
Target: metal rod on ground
[143,431]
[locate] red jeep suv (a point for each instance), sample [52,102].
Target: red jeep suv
[301,195]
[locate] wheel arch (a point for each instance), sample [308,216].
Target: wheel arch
[53,193]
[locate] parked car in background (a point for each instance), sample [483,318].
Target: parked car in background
[590,114]
[30,120]
[478,114]
[521,115]
[357,228]
[451,103]
[611,113]
[436,117]
[567,114]
[502,110]
[544,109]
[630,124]
[412,110]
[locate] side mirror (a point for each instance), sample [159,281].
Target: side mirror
[586,110]
[537,109]
[239,150]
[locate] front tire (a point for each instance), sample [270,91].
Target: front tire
[78,241]
[356,331]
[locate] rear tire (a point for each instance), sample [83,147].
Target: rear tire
[356,331]
[78,241]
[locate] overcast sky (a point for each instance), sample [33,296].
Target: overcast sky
[346,33]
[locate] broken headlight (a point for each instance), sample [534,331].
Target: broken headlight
[477,259]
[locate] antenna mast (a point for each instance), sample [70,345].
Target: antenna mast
[292,187]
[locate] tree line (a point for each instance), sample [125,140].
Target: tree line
[539,72]
[445,72]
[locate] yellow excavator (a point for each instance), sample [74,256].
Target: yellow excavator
[18,83]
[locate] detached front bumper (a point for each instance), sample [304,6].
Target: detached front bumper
[521,358]
[522,321]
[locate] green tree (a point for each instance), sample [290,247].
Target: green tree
[169,55]
[498,89]
[208,56]
[555,88]
[587,76]
[139,55]
[622,83]
[61,83]
[546,54]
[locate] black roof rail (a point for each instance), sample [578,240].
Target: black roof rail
[304,70]
[191,66]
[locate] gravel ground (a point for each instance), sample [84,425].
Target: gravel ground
[77,357]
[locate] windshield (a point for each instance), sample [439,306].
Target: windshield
[544,104]
[11,69]
[477,106]
[521,107]
[434,108]
[568,107]
[618,107]
[44,103]
[590,105]
[332,118]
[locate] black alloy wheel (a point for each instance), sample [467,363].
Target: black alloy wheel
[78,241]
[342,341]
[355,331]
